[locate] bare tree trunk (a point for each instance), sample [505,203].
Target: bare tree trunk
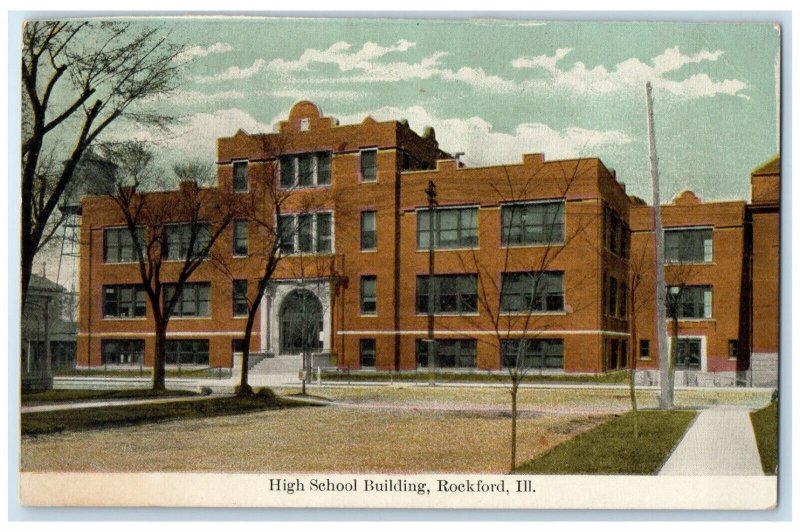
[244,386]
[159,363]
[514,389]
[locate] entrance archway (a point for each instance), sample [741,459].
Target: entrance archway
[300,322]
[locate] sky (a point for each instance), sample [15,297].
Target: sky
[494,89]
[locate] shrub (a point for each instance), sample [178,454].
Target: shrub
[206,390]
[266,393]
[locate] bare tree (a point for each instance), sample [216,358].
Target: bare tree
[78,77]
[641,275]
[519,325]
[176,226]
[262,207]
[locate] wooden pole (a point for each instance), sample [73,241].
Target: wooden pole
[666,398]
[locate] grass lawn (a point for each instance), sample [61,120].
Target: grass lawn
[610,449]
[765,426]
[423,377]
[66,396]
[34,423]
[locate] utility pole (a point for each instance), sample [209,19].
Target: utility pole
[666,399]
[432,204]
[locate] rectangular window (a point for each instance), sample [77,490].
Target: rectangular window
[118,244]
[733,348]
[532,353]
[689,302]
[240,244]
[287,172]
[623,301]
[367,352]
[185,238]
[625,241]
[452,228]
[122,351]
[688,245]
[369,165]
[124,301]
[193,301]
[644,349]
[306,170]
[532,292]
[306,233]
[324,168]
[623,353]
[449,353]
[533,223]
[613,235]
[688,356]
[369,301]
[612,297]
[613,362]
[237,345]
[450,294]
[240,182]
[324,232]
[286,233]
[187,352]
[369,237]
[240,305]
[604,294]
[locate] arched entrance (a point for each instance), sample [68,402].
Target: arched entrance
[300,322]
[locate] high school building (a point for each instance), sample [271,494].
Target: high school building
[553,252]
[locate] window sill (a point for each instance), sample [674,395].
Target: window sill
[362,315]
[119,318]
[187,318]
[304,187]
[243,256]
[372,250]
[120,262]
[534,313]
[692,320]
[308,254]
[534,245]
[704,263]
[444,314]
[437,250]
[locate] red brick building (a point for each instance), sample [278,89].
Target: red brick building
[541,250]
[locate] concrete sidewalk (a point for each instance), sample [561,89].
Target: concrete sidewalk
[115,402]
[720,442]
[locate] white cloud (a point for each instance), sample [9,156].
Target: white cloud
[185,97]
[339,54]
[547,62]
[316,94]
[234,72]
[632,73]
[195,136]
[198,51]
[485,146]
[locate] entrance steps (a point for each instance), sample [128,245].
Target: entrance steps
[279,365]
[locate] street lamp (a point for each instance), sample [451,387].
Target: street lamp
[432,204]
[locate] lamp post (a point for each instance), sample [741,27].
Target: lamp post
[432,203]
